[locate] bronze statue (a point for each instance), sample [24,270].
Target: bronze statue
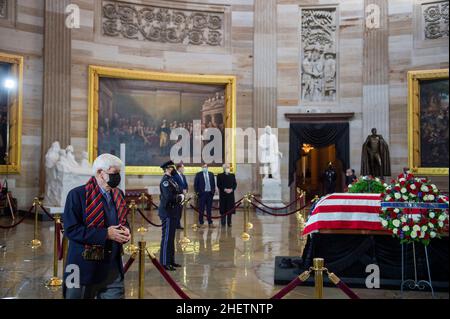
[375,159]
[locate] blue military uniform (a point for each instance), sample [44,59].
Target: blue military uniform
[170,200]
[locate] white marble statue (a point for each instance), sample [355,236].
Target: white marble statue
[71,161]
[63,173]
[85,160]
[51,158]
[269,154]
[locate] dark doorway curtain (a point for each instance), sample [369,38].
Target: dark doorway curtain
[318,135]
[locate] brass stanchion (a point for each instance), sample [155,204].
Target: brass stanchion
[65,248]
[55,281]
[194,225]
[143,200]
[131,247]
[245,235]
[249,224]
[318,268]
[141,269]
[36,243]
[185,239]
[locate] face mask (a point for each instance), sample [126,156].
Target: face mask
[114,180]
[227,171]
[173,172]
[205,169]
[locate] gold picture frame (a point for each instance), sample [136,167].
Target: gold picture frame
[414,120]
[97,72]
[13,165]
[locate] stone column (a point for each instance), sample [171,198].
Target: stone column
[265,67]
[265,63]
[57,73]
[376,69]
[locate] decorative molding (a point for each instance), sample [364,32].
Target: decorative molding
[162,24]
[319,117]
[435,20]
[3,9]
[7,13]
[431,22]
[319,70]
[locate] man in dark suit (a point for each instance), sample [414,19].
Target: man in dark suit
[329,179]
[226,183]
[205,187]
[95,224]
[180,179]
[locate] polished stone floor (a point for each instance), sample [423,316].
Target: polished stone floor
[216,264]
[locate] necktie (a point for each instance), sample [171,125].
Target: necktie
[207,184]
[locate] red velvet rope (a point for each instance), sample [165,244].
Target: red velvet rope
[19,222]
[148,220]
[169,279]
[231,211]
[283,292]
[284,214]
[277,208]
[46,212]
[130,261]
[341,285]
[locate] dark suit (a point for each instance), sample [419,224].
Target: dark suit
[92,273]
[226,181]
[205,197]
[180,179]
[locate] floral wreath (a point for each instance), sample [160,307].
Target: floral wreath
[367,184]
[413,210]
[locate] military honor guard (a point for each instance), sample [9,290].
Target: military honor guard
[329,178]
[170,201]
[226,183]
[181,180]
[205,187]
[96,227]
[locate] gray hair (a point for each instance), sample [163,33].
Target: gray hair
[105,162]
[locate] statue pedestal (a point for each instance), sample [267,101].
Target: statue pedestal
[65,182]
[271,193]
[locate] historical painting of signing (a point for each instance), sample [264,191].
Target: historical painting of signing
[143,110]
[428,121]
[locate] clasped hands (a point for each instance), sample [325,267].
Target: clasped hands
[120,234]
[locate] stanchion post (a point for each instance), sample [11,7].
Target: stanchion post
[194,225]
[249,224]
[131,248]
[143,200]
[318,268]
[55,281]
[141,269]
[185,239]
[36,243]
[245,235]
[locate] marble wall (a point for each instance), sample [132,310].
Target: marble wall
[260,43]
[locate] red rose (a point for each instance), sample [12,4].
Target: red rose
[433,221]
[393,215]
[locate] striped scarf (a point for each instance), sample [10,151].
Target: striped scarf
[95,212]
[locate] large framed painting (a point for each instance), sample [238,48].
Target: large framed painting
[11,82]
[145,111]
[428,106]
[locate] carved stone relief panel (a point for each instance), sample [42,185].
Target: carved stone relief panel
[435,20]
[318,55]
[430,23]
[162,24]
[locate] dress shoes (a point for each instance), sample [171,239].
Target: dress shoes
[180,228]
[176,265]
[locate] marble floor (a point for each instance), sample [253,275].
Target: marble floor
[216,264]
